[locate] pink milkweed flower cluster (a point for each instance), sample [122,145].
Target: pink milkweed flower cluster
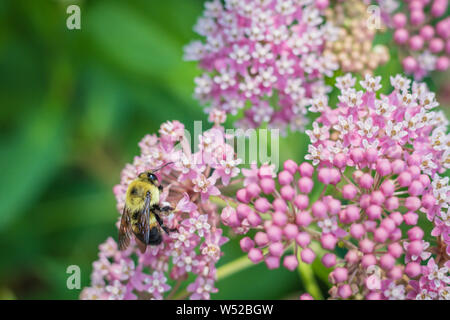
[195,246]
[368,213]
[422,30]
[375,156]
[262,56]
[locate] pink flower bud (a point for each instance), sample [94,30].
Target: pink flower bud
[254,219]
[366,246]
[398,166]
[352,213]
[428,201]
[415,248]
[412,203]
[404,179]
[357,155]
[267,185]
[399,20]
[427,32]
[373,296]
[287,193]
[262,205]
[377,197]
[333,205]
[366,181]
[401,36]
[388,224]
[395,250]
[290,262]
[285,177]
[305,185]
[438,8]
[306,170]
[442,63]
[340,274]
[301,201]
[415,233]
[344,291]
[272,262]
[290,231]
[279,218]
[279,205]
[380,235]
[276,249]
[414,171]
[349,191]
[368,260]
[243,211]
[246,244]
[291,166]
[392,203]
[387,261]
[306,296]
[255,255]
[395,235]
[261,239]
[415,188]
[352,257]
[329,260]
[396,273]
[374,212]
[335,176]
[303,219]
[324,175]
[242,196]
[274,233]
[409,64]
[357,230]
[397,217]
[303,239]
[322,4]
[328,241]
[436,45]
[364,201]
[319,209]
[384,167]
[307,255]
[413,269]
[424,180]
[388,188]
[340,160]
[253,190]
[371,155]
[417,17]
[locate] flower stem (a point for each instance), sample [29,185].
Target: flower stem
[234,266]
[306,274]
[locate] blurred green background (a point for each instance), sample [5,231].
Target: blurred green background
[74,104]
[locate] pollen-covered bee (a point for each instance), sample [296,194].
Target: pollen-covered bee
[141,212]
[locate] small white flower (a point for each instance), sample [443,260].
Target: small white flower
[367,128]
[240,54]
[345,82]
[371,84]
[395,130]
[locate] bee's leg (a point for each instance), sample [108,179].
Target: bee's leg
[161,223]
[164,209]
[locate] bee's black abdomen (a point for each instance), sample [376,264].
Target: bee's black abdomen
[155,237]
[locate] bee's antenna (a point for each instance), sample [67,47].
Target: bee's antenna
[162,166]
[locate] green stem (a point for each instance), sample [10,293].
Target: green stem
[306,274]
[234,266]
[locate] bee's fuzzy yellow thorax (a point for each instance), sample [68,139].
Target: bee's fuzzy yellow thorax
[136,194]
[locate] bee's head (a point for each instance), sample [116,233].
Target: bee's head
[148,176]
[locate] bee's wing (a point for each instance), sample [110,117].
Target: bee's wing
[143,236]
[124,230]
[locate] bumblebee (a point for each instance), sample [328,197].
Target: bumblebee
[141,213]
